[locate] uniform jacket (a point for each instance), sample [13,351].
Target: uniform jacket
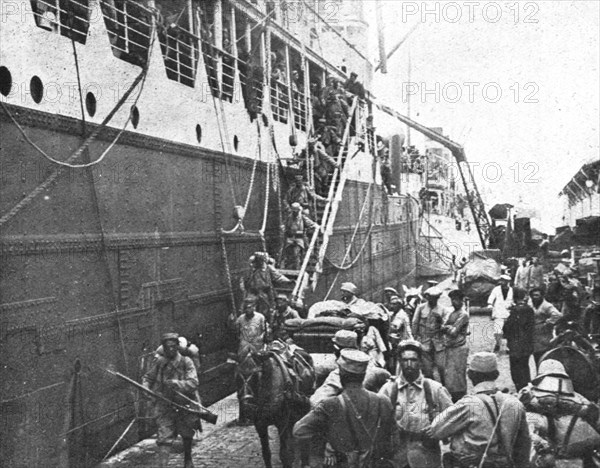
[469,426]
[545,317]
[426,326]
[180,370]
[412,415]
[375,378]
[340,427]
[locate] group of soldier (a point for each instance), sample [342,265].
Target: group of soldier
[400,385]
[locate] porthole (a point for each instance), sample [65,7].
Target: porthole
[90,104]
[236,142]
[135,116]
[5,81]
[198,133]
[37,89]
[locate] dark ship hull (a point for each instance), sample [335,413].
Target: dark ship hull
[97,263]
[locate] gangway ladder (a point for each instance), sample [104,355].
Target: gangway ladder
[329,213]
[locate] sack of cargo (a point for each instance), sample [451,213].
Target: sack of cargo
[324,324]
[481,269]
[329,308]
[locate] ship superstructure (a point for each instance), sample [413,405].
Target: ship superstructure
[146,148]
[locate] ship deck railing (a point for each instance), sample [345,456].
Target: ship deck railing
[180,54]
[227,74]
[129,28]
[54,15]
[279,100]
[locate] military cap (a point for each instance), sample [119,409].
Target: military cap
[433,283]
[505,277]
[283,296]
[171,336]
[484,362]
[395,300]
[390,290]
[296,206]
[349,287]
[353,361]
[412,345]
[456,293]
[345,339]
[433,291]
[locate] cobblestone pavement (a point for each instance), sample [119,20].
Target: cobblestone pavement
[227,445]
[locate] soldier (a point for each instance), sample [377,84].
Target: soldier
[519,332]
[545,317]
[251,326]
[400,323]
[357,423]
[417,400]
[259,281]
[295,227]
[487,428]
[374,379]
[455,331]
[385,169]
[171,375]
[282,312]
[426,328]
[301,193]
[388,293]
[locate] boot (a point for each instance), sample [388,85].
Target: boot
[163,456]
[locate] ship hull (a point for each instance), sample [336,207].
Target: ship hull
[98,262]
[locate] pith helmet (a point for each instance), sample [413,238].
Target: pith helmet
[433,291]
[551,367]
[349,287]
[390,290]
[553,378]
[353,361]
[395,300]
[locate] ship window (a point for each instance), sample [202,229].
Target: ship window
[70,18]
[199,133]
[90,104]
[5,81]
[135,116]
[236,142]
[129,26]
[36,88]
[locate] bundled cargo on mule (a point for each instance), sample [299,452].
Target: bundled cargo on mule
[325,318]
[479,277]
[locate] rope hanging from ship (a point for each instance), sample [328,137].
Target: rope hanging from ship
[140,78]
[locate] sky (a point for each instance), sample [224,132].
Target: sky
[516,83]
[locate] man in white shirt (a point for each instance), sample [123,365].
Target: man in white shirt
[501,298]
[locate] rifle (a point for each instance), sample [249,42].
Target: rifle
[202,412]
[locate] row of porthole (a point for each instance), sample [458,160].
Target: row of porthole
[37,93]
